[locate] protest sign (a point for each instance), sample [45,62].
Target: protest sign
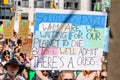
[23,29]
[8,29]
[26,46]
[68,40]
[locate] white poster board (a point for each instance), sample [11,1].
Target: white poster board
[68,40]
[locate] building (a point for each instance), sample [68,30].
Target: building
[6,10]
[25,8]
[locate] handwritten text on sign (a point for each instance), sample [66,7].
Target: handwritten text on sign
[67,58]
[68,45]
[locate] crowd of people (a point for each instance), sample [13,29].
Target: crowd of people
[15,65]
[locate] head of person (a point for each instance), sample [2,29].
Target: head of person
[22,57]
[14,34]
[6,55]
[66,75]
[13,67]
[1,47]
[103,75]
[19,42]
[45,72]
[16,49]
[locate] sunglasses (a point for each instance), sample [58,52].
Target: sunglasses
[69,79]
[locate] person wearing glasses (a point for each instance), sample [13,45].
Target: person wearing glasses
[66,75]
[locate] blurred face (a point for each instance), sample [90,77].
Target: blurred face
[12,70]
[67,76]
[1,48]
[45,73]
[7,57]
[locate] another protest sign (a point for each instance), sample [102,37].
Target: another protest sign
[23,29]
[8,29]
[26,46]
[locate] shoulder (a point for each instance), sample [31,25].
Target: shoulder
[20,78]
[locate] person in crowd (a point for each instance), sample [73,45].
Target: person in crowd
[9,44]
[54,74]
[40,75]
[16,49]
[13,68]
[103,72]
[31,73]
[1,69]
[14,39]
[19,43]
[87,75]
[5,57]
[16,52]
[28,57]
[46,74]
[1,49]
[103,75]
[23,62]
[66,75]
